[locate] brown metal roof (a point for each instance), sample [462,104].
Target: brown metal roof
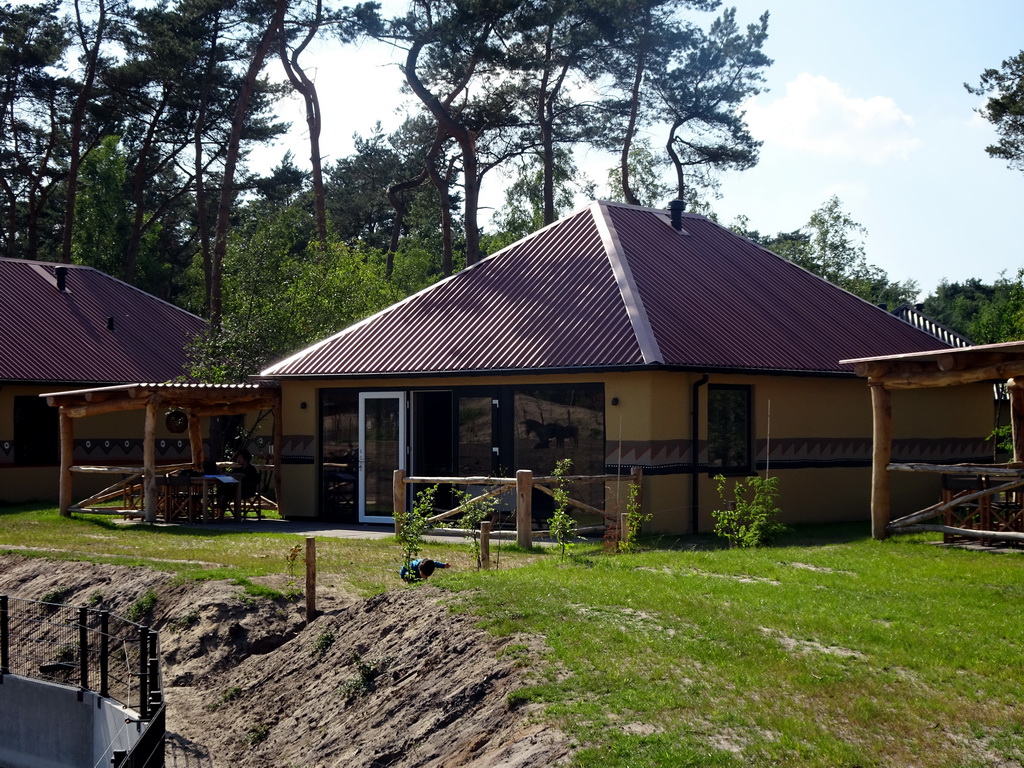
[55,336]
[616,286]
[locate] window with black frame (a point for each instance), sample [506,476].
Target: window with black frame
[729,429]
[36,432]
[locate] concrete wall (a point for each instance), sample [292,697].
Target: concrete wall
[43,725]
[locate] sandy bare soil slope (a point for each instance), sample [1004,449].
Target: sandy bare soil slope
[394,680]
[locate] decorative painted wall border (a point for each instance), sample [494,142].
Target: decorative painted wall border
[675,456]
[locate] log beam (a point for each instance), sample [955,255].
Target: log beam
[903,378]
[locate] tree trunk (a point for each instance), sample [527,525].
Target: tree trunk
[676,163]
[139,179]
[466,140]
[634,115]
[92,55]
[307,88]
[442,185]
[227,192]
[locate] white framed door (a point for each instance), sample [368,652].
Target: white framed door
[382,450]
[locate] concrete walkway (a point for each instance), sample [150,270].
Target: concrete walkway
[326,530]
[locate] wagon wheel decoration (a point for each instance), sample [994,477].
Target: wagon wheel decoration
[176,421]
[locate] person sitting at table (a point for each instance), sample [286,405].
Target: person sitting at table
[246,474]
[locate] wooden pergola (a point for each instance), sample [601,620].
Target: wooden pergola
[992,363]
[196,401]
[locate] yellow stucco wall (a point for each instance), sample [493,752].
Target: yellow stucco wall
[816,420]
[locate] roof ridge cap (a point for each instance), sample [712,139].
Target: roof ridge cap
[628,291]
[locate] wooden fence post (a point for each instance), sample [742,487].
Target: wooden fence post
[623,527]
[398,493]
[311,612]
[524,508]
[485,545]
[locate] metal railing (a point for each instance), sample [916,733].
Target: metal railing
[90,649]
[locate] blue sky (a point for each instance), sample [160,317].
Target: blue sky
[865,100]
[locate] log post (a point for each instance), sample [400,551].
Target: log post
[1016,390]
[195,439]
[67,458]
[881,454]
[624,527]
[278,443]
[311,612]
[485,545]
[524,508]
[149,464]
[398,493]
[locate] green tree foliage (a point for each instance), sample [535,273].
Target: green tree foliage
[702,92]
[34,108]
[831,246]
[645,174]
[102,225]
[284,291]
[1005,108]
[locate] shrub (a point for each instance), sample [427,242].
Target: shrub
[749,519]
[413,525]
[561,524]
[635,519]
[474,513]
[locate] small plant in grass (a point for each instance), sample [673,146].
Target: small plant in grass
[749,519]
[323,642]
[367,672]
[95,600]
[56,595]
[291,559]
[142,606]
[257,734]
[474,513]
[183,622]
[232,693]
[412,525]
[635,519]
[561,523]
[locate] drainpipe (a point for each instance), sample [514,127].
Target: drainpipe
[694,453]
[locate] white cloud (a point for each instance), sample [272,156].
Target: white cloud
[819,117]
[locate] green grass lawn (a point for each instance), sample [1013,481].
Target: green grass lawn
[829,649]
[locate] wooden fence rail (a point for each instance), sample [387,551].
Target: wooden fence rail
[523,484]
[985,525]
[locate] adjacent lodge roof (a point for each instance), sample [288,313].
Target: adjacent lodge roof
[618,287]
[74,324]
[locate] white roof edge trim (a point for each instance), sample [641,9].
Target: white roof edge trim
[627,287]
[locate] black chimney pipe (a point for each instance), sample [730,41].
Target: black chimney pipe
[62,278]
[676,208]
